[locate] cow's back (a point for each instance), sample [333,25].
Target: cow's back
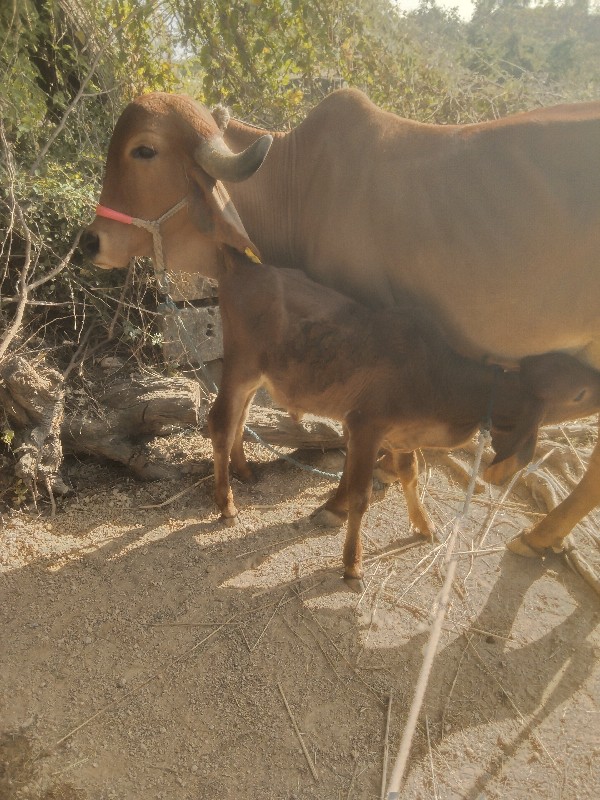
[495,226]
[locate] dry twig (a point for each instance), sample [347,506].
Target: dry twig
[179,494]
[580,566]
[433,780]
[386,745]
[436,629]
[309,760]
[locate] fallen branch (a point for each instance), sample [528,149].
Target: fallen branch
[125,413]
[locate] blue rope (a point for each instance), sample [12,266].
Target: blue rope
[289,459]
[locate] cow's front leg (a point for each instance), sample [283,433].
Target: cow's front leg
[552,530]
[225,421]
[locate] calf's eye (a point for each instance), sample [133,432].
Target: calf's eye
[143,151]
[580,396]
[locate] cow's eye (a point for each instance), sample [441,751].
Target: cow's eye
[580,396]
[143,151]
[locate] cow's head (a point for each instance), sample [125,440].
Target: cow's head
[165,148]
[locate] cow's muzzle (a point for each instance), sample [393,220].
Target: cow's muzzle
[89,244]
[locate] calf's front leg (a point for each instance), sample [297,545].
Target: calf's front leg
[225,424]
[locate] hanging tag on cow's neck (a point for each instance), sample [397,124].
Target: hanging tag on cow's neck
[252,256]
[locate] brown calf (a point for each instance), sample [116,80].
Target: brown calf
[388,375]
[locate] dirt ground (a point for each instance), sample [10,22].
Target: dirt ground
[151,652]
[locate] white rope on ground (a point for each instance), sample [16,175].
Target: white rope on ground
[450,560]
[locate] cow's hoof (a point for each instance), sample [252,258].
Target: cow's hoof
[519,546]
[228,521]
[324,518]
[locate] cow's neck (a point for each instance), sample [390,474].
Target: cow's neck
[268,201]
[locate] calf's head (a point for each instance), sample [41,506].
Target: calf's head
[551,388]
[165,148]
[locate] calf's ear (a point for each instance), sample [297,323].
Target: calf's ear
[515,448]
[213,213]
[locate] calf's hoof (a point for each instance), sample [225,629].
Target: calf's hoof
[520,546]
[325,518]
[357,585]
[384,477]
[424,527]
[500,472]
[244,474]
[229,514]
[353,577]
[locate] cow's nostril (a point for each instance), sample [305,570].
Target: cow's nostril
[89,244]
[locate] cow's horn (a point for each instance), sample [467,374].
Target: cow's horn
[216,158]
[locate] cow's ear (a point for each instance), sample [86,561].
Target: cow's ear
[213,213]
[221,116]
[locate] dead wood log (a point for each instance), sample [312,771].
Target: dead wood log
[32,396]
[129,412]
[112,421]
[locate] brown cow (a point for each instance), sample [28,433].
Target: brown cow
[387,374]
[493,226]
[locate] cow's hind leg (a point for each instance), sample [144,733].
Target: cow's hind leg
[556,526]
[334,513]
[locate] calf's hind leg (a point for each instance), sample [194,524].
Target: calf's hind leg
[238,458]
[406,467]
[363,445]
[334,512]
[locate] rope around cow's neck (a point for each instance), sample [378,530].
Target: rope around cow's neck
[153,227]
